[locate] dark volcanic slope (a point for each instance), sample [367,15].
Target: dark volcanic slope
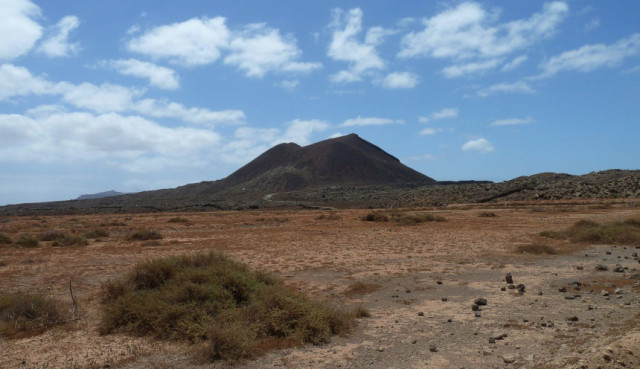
[343,161]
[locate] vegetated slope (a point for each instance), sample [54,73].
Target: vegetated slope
[99,195]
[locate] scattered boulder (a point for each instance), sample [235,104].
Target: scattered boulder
[480,301]
[573,318]
[509,278]
[601,268]
[433,348]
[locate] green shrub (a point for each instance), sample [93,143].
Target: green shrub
[4,239]
[97,233]
[70,240]
[211,298]
[144,235]
[27,241]
[626,232]
[24,314]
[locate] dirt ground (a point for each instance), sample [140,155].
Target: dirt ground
[424,280]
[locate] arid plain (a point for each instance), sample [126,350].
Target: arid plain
[418,283]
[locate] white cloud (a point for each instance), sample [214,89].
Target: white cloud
[513,64]
[300,131]
[481,145]
[430,131]
[197,41]
[18,81]
[445,113]
[400,80]
[515,87]
[590,57]
[468,32]
[425,157]
[258,49]
[459,70]
[158,76]
[18,27]
[593,24]
[423,119]
[345,46]
[369,121]
[512,121]
[124,141]
[58,45]
[289,84]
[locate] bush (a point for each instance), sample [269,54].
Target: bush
[536,249]
[51,236]
[27,241]
[178,220]
[211,298]
[626,232]
[23,314]
[361,288]
[487,214]
[375,217]
[97,233]
[4,239]
[144,235]
[70,240]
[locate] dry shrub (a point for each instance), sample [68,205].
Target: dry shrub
[51,235]
[536,249]
[23,314]
[487,214]
[375,217]
[361,288]
[27,241]
[70,240]
[626,232]
[97,233]
[328,217]
[211,298]
[4,239]
[144,235]
[179,220]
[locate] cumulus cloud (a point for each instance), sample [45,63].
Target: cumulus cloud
[58,45]
[196,41]
[423,119]
[79,136]
[512,121]
[514,87]
[513,64]
[400,80]
[18,81]
[158,76]
[590,57]
[430,131]
[369,121]
[445,113]
[289,84]
[481,145]
[468,35]
[259,49]
[346,46]
[18,27]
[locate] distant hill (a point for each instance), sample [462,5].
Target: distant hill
[100,195]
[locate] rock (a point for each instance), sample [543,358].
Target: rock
[380,349]
[573,318]
[511,287]
[475,307]
[619,269]
[492,340]
[580,267]
[420,313]
[619,291]
[569,297]
[439,282]
[433,348]
[576,285]
[477,314]
[604,293]
[509,358]
[562,289]
[521,288]
[480,301]
[601,268]
[503,288]
[509,278]
[444,299]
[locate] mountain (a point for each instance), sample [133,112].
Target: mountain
[100,195]
[342,161]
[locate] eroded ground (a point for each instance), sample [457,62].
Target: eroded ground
[425,277]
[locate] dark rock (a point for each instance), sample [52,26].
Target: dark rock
[477,314]
[439,282]
[509,278]
[433,348]
[475,307]
[511,287]
[503,288]
[601,268]
[444,299]
[480,301]
[562,289]
[521,288]
[572,318]
[420,313]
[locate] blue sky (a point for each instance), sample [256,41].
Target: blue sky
[141,95]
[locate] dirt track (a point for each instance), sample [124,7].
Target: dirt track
[412,326]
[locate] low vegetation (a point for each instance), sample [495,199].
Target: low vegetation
[24,314]
[27,241]
[5,240]
[179,220]
[487,214]
[328,217]
[625,232]
[402,218]
[361,288]
[233,311]
[536,249]
[97,233]
[62,239]
[144,235]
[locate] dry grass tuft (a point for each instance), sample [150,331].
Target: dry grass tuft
[5,240]
[24,314]
[361,288]
[27,241]
[487,214]
[626,232]
[144,235]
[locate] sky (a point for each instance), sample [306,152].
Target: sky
[142,95]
